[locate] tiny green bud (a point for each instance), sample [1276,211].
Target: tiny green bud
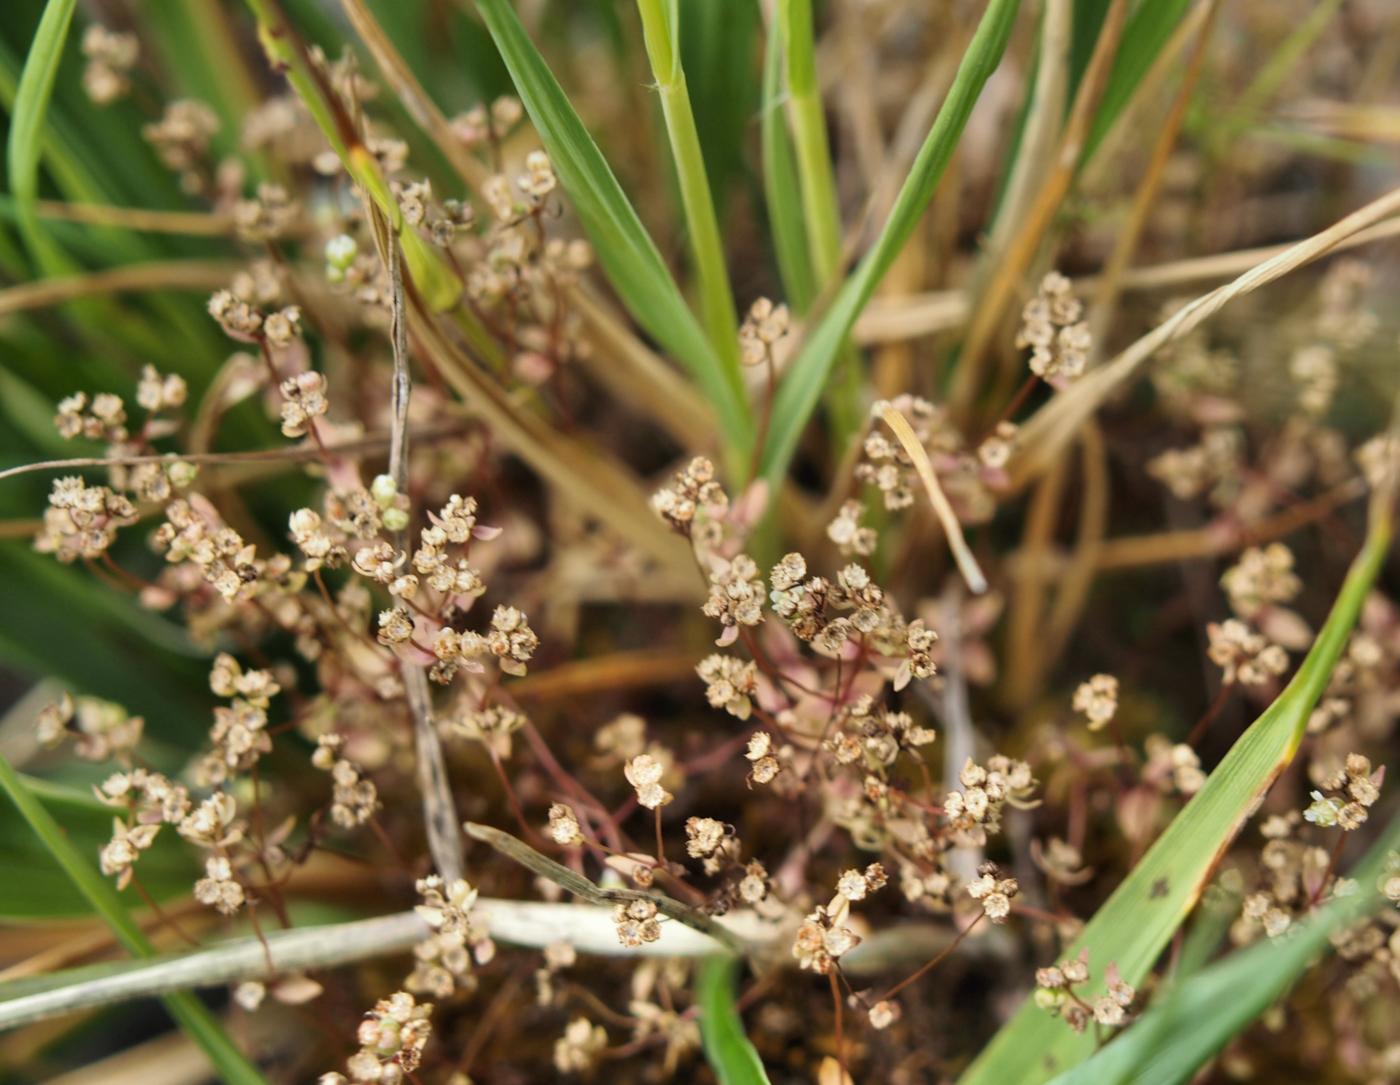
[395,519]
[341,251]
[182,474]
[384,489]
[1049,1000]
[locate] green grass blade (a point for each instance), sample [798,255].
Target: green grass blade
[626,252]
[1145,34]
[788,229]
[188,1012]
[821,209]
[1137,921]
[718,42]
[1086,21]
[1177,1036]
[818,182]
[660,28]
[802,387]
[27,125]
[727,1048]
[167,869]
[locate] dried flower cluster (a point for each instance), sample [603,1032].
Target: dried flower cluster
[1051,326]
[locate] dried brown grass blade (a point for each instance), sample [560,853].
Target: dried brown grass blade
[634,373]
[188,223]
[421,108]
[582,474]
[197,275]
[1025,241]
[962,553]
[894,318]
[1056,424]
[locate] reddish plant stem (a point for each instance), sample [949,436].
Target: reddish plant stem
[1217,705]
[932,964]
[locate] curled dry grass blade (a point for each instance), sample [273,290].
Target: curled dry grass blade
[962,553]
[626,252]
[188,1012]
[1197,1018]
[1052,427]
[1137,921]
[597,484]
[727,1048]
[802,386]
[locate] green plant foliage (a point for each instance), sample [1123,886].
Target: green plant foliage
[1138,920]
[802,386]
[727,1049]
[1196,1018]
[626,252]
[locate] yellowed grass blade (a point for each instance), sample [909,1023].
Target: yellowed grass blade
[1053,426]
[962,554]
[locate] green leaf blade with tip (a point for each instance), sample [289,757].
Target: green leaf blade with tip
[727,1049]
[1135,924]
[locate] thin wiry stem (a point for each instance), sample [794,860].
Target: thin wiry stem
[366,446]
[573,882]
[439,810]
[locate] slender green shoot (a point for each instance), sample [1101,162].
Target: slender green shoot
[661,30]
[820,207]
[802,387]
[27,128]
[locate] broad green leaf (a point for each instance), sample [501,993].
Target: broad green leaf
[727,1048]
[61,623]
[1136,922]
[27,125]
[802,386]
[167,869]
[1195,1019]
[780,186]
[626,252]
[189,1013]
